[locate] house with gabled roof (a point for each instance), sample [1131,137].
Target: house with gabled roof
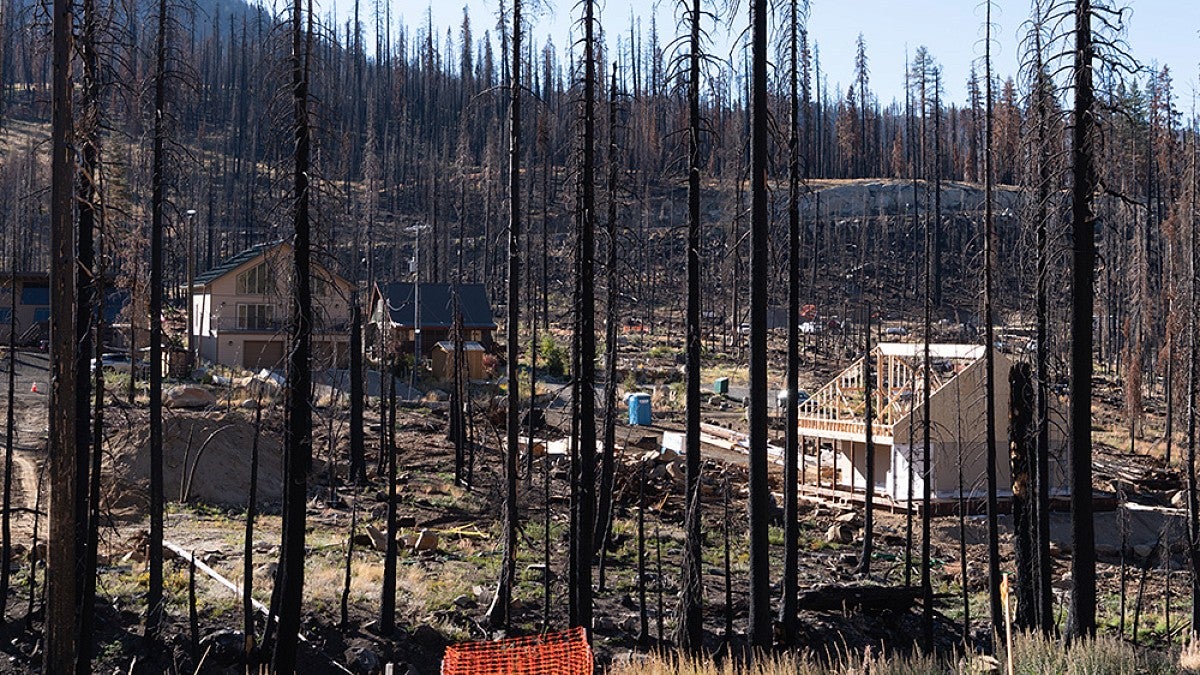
[398,307]
[833,418]
[240,311]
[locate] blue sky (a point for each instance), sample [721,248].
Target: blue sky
[1161,31]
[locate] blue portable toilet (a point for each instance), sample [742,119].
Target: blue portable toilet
[639,408]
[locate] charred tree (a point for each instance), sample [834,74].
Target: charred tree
[585,470]
[604,501]
[10,427]
[498,613]
[89,318]
[926,394]
[690,629]
[868,545]
[289,578]
[61,628]
[760,633]
[1022,445]
[154,596]
[793,458]
[1082,605]
[1193,497]
[989,377]
[1044,107]
[387,595]
[248,539]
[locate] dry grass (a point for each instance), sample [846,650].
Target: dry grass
[1189,657]
[1032,656]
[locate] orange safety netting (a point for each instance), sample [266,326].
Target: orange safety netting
[563,653]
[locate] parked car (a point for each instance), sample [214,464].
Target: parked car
[782,396]
[120,363]
[897,330]
[810,328]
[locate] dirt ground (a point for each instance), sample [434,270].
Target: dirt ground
[443,592]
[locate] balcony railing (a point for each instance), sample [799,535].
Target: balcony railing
[252,325]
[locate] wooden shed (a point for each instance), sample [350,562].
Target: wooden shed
[443,360]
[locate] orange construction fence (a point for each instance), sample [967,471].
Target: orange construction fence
[563,653]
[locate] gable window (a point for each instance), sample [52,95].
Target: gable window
[258,280]
[256,317]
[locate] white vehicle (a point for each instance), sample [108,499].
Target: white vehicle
[810,328]
[118,362]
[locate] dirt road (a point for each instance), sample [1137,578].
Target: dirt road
[29,442]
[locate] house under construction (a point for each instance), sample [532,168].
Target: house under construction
[834,419]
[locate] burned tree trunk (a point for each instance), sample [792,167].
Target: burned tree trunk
[248,539]
[387,596]
[10,429]
[690,630]
[608,458]
[927,376]
[759,506]
[585,467]
[61,629]
[154,596]
[1022,444]
[793,458]
[498,613]
[289,579]
[989,378]
[1082,609]
[1044,93]
[1193,498]
[90,334]
[868,546]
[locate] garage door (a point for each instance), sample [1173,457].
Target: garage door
[259,354]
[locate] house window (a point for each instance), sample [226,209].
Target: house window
[5,315]
[320,286]
[258,280]
[41,314]
[256,317]
[35,293]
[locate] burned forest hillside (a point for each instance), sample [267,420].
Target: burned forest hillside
[598,338]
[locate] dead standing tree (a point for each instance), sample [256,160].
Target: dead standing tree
[989,378]
[90,343]
[154,596]
[690,629]
[10,429]
[287,595]
[584,470]
[760,630]
[1082,608]
[797,13]
[1193,499]
[61,630]
[604,501]
[498,613]
[1042,171]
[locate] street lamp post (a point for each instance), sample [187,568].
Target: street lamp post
[191,280]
